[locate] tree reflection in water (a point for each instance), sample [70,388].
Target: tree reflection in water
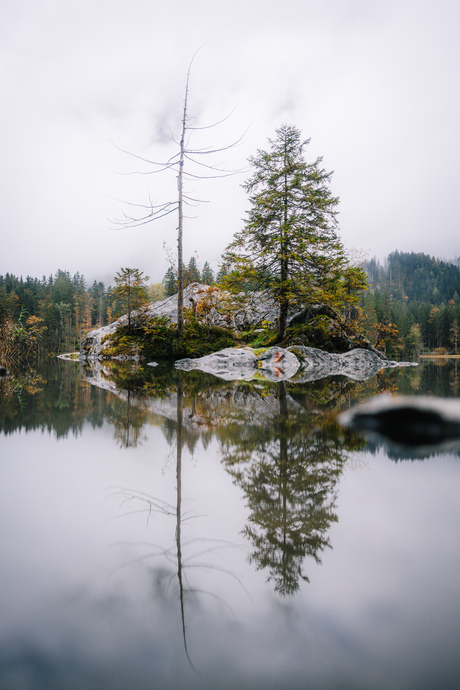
[179,555]
[288,472]
[280,443]
[283,449]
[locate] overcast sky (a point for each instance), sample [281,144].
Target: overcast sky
[373,83]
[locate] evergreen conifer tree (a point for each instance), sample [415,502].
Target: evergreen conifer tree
[192,272]
[131,290]
[289,245]
[170,282]
[207,274]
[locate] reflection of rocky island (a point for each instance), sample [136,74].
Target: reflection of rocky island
[212,404]
[283,452]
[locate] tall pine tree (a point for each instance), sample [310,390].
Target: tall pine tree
[289,246]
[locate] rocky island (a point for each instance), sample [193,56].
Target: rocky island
[320,347]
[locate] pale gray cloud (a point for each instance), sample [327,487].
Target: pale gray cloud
[373,84]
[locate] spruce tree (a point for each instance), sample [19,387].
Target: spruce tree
[192,272]
[207,274]
[131,290]
[170,282]
[289,245]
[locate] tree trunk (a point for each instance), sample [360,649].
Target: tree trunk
[180,189]
[284,265]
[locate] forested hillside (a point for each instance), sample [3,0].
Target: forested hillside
[414,301]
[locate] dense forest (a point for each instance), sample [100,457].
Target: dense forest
[412,304]
[55,313]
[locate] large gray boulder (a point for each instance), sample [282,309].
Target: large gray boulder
[229,364]
[211,305]
[299,363]
[358,364]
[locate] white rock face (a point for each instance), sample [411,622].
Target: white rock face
[213,306]
[229,364]
[358,364]
[302,364]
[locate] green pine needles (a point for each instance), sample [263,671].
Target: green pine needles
[289,245]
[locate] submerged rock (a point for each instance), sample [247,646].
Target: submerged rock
[278,364]
[407,420]
[358,364]
[228,364]
[300,363]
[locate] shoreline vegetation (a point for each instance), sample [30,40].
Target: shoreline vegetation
[428,356]
[75,356]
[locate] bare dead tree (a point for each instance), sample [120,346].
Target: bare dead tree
[147,213]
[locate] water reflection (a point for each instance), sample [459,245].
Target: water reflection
[279,441]
[282,450]
[288,473]
[184,556]
[382,610]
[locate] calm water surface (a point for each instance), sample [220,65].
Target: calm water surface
[161,529]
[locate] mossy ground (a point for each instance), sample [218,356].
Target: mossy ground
[157,339]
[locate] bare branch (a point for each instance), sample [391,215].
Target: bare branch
[216,168]
[132,203]
[141,158]
[215,124]
[137,222]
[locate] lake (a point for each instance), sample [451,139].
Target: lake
[164,529]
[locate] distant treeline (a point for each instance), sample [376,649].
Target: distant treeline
[420,296]
[65,307]
[412,304]
[62,308]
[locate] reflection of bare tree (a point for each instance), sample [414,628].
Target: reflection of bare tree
[289,473]
[179,445]
[180,556]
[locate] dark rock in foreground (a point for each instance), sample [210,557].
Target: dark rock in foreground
[407,420]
